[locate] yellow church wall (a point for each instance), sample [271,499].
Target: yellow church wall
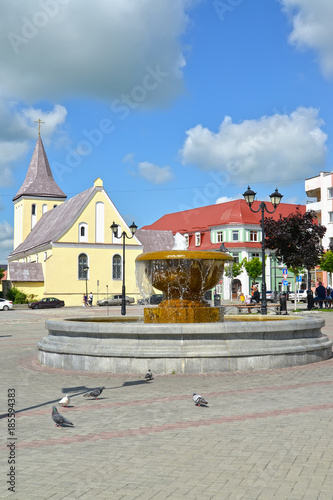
[23,217]
[88,216]
[61,273]
[31,288]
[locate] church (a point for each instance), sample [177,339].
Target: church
[64,247]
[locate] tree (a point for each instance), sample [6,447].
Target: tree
[326,262]
[296,239]
[233,270]
[2,273]
[253,267]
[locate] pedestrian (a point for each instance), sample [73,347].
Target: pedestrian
[320,294]
[85,300]
[242,298]
[90,301]
[255,299]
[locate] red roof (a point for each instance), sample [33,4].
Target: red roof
[231,212]
[236,212]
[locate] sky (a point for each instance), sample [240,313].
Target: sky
[175,104]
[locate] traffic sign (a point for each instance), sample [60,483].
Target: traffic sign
[285,272]
[285,283]
[299,279]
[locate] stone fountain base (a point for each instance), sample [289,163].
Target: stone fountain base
[130,346]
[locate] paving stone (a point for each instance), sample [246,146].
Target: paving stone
[265,435]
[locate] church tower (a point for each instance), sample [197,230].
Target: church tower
[38,194]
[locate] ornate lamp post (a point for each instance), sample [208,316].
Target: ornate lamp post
[114,229]
[86,269]
[276,197]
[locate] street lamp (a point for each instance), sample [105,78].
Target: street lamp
[86,269]
[276,197]
[114,229]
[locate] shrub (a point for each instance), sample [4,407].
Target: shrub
[19,297]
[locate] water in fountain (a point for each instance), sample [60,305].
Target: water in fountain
[183,276]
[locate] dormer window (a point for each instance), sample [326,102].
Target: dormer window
[197,239]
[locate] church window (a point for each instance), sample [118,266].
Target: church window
[33,215]
[116,267]
[99,214]
[44,208]
[82,265]
[83,232]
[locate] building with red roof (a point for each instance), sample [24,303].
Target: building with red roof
[235,226]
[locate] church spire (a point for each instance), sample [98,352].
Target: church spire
[39,179]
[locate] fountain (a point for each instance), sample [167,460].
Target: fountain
[183,334]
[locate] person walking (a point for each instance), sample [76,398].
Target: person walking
[90,301]
[85,300]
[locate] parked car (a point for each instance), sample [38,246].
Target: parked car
[6,304]
[46,303]
[156,298]
[269,296]
[115,300]
[301,296]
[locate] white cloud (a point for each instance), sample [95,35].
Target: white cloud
[100,49]
[155,174]
[312,28]
[6,241]
[277,147]
[129,158]
[225,199]
[17,129]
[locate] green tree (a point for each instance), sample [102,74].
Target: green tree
[326,262]
[296,239]
[253,267]
[2,273]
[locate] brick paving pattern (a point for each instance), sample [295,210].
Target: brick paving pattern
[264,435]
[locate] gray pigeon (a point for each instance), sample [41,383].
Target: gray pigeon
[199,400]
[149,375]
[59,419]
[94,394]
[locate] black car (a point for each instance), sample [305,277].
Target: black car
[47,302]
[156,298]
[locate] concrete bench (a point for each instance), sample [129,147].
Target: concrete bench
[249,307]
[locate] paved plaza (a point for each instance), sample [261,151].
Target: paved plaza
[264,435]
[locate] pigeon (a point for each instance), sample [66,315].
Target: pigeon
[94,394]
[199,400]
[59,419]
[149,375]
[65,401]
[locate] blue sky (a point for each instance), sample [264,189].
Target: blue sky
[173,103]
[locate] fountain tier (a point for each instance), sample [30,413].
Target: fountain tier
[183,276]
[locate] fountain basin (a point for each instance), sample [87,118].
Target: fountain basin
[130,346]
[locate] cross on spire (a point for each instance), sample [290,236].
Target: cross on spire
[39,121]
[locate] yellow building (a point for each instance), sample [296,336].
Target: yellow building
[61,247]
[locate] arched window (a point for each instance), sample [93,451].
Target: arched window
[116,267]
[83,232]
[82,264]
[99,236]
[33,215]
